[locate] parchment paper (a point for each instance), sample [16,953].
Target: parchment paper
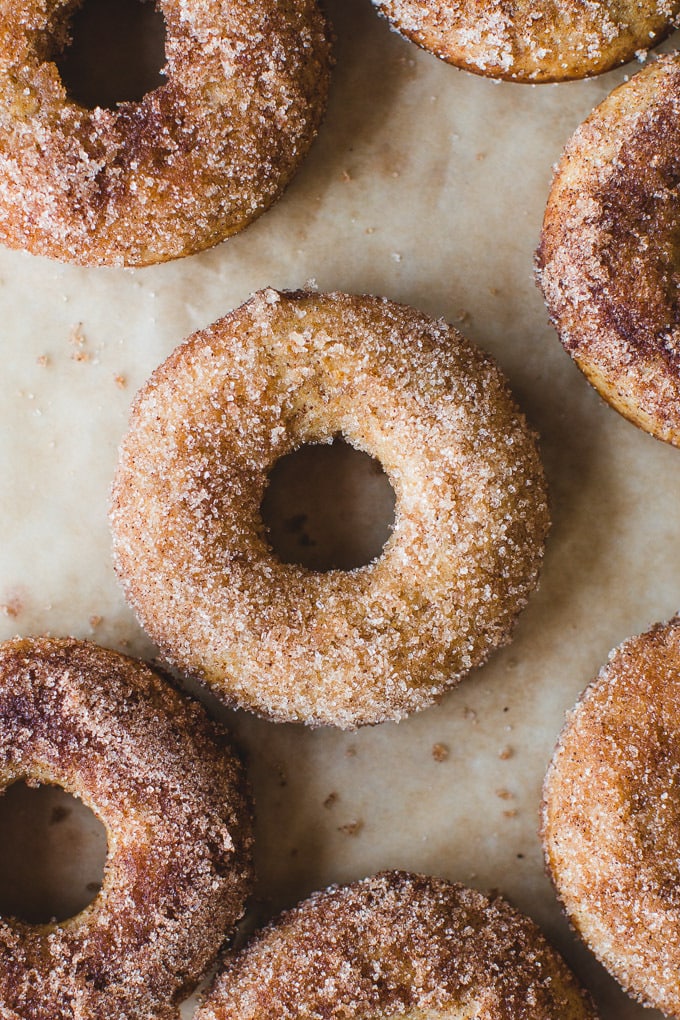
[427,185]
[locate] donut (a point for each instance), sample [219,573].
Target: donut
[196,160]
[159,776]
[608,262]
[533,40]
[611,817]
[397,945]
[343,648]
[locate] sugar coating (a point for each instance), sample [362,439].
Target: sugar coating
[402,946]
[534,40]
[611,817]
[193,162]
[608,261]
[159,775]
[344,647]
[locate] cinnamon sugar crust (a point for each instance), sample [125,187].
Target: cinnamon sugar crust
[193,162]
[343,648]
[611,817]
[533,40]
[160,777]
[609,261]
[402,946]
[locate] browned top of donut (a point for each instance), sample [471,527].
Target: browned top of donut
[196,160]
[533,40]
[397,945]
[609,260]
[161,778]
[612,816]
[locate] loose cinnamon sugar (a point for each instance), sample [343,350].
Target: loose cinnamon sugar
[397,945]
[341,648]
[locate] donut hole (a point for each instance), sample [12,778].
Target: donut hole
[52,854]
[116,55]
[328,507]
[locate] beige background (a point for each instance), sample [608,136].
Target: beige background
[427,185]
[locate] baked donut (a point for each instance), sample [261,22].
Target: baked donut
[533,40]
[611,817]
[159,776]
[608,259]
[343,647]
[398,945]
[193,162]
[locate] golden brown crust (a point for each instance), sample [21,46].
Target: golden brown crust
[340,648]
[611,816]
[402,946]
[194,161]
[608,261]
[533,40]
[160,777]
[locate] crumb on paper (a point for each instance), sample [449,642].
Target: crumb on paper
[505,753]
[43,360]
[76,336]
[504,794]
[512,813]
[351,752]
[469,713]
[440,752]
[479,156]
[346,176]
[95,620]
[12,607]
[120,381]
[351,828]
[331,799]
[463,316]
[370,230]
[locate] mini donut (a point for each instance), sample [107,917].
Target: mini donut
[344,647]
[533,40]
[193,162]
[398,945]
[611,817]
[608,259]
[161,779]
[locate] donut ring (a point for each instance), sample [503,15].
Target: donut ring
[533,40]
[611,817]
[343,647]
[398,945]
[193,162]
[608,262]
[154,769]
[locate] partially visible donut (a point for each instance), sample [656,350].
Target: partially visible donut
[398,945]
[609,261]
[194,161]
[533,40]
[343,647]
[172,798]
[611,817]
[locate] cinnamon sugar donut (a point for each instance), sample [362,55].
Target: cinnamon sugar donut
[343,647]
[608,261]
[533,40]
[611,817]
[159,776]
[193,162]
[398,945]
